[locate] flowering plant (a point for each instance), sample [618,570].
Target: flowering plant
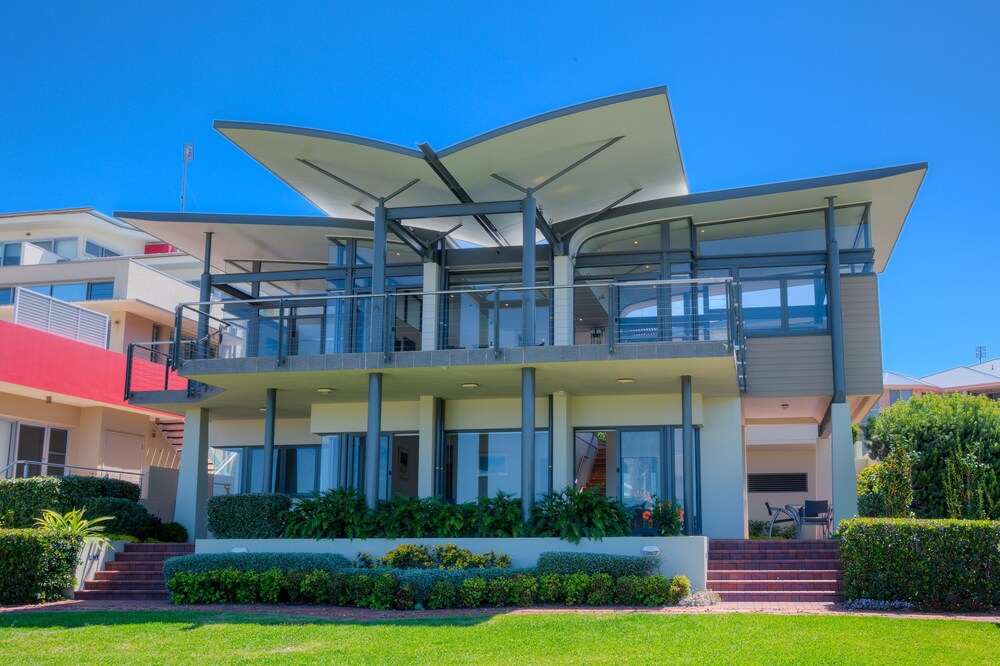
[667,517]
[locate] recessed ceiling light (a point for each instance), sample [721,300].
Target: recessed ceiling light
[470,385]
[625,380]
[262,409]
[324,390]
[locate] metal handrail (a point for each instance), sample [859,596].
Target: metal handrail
[107,472]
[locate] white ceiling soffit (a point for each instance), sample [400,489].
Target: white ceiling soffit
[526,153]
[891,192]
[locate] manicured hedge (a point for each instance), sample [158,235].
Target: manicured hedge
[248,516]
[36,565]
[260,562]
[127,517]
[921,561]
[596,563]
[433,589]
[26,498]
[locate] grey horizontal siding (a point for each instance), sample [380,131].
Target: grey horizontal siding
[862,335]
[789,366]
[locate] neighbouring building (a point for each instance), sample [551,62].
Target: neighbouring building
[541,306]
[76,289]
[983,378]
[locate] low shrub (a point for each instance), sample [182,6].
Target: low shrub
[36,565]
[259,562]
[925,562]
[566,563]
[172,533]
[333,514]
[448,556]
[248,515]
[757,529]
[431,588]
[127,517]
[25,499]
[573,515]
[414,517]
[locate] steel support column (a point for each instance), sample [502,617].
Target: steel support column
[373,442]
[687,442]
[836,312]
[205,293]
[527,272]
[270,406]
[377,322]
[527,441]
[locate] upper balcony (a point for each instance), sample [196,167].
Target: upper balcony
[664,319]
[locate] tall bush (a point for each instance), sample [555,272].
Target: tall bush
[248,516]
[921,561]
[573,515]
[333,514]
[933,427]
[26,499]
[36,565]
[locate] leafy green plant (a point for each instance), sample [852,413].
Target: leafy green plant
[497,516]
[442,595]
[921,561]
[472,592]
[522,590]
[757,529]
[259,562]
[72,523]
[667,517]
[333,514]
[573,515]
[172,533]
[933,427]
[566,563]
[968,483]
[36,565]
[248,515]
[418,556]
[601,590]
[575,588]
[23,500]
[550,588]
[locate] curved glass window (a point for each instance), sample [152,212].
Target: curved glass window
[645,238]
[793,232]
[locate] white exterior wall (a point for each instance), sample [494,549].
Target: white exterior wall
[785,459]
[723,470]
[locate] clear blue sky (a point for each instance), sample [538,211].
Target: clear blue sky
[97,99]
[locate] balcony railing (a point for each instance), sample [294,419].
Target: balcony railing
[610,314]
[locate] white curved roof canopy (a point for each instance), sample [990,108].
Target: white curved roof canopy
[528,153]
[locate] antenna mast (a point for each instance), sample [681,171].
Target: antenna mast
[980,353]
[188,157]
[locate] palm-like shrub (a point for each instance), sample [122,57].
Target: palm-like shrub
[73,524]
[573,515]
[334,514]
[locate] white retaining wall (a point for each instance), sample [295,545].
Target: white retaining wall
[678,555]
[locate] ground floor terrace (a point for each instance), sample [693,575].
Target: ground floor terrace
[637,428]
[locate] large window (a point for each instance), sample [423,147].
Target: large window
[66,248]
[481,464]
[96,250]
[40,450]
[635,465]
[789,233]
[789,299]
[295,469]
[75,291]
[10,254]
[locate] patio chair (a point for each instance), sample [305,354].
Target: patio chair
[775,513]
[817,512]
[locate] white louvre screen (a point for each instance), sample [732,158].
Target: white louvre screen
[60,318]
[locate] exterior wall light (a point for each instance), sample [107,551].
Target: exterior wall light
[324,390]
[625,380]
[650,551]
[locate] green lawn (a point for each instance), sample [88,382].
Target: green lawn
[180,637]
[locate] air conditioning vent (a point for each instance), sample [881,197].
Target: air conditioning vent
[778,483]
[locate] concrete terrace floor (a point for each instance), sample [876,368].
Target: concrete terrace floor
[342,613]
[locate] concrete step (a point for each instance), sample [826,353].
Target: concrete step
[124,586]
[131,595]
[782,597]
[146,578]
[831,585]
[776,574]
[154,566]
[755,564]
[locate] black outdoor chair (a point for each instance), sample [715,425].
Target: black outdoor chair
[817,512]
[775,513]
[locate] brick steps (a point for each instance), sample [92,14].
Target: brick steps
[135,575]
[775,571]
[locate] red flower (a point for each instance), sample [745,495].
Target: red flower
[646,515]
[680,514]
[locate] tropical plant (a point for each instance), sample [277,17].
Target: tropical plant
[573,515]
[667,517]
[330,515]
[497,516]
[72,523]
[967,485]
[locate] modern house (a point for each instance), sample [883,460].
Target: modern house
[983,378]
[76,288]
[544,305]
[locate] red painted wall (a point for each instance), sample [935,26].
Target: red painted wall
[40,360]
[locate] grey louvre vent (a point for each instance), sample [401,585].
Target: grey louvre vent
[777,483]
[65,319]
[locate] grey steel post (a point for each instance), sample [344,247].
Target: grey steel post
[527,441]
[528,271]
[377,319]
[270,406]
[205,294]
[836,312]
[687,441]
[373,441]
